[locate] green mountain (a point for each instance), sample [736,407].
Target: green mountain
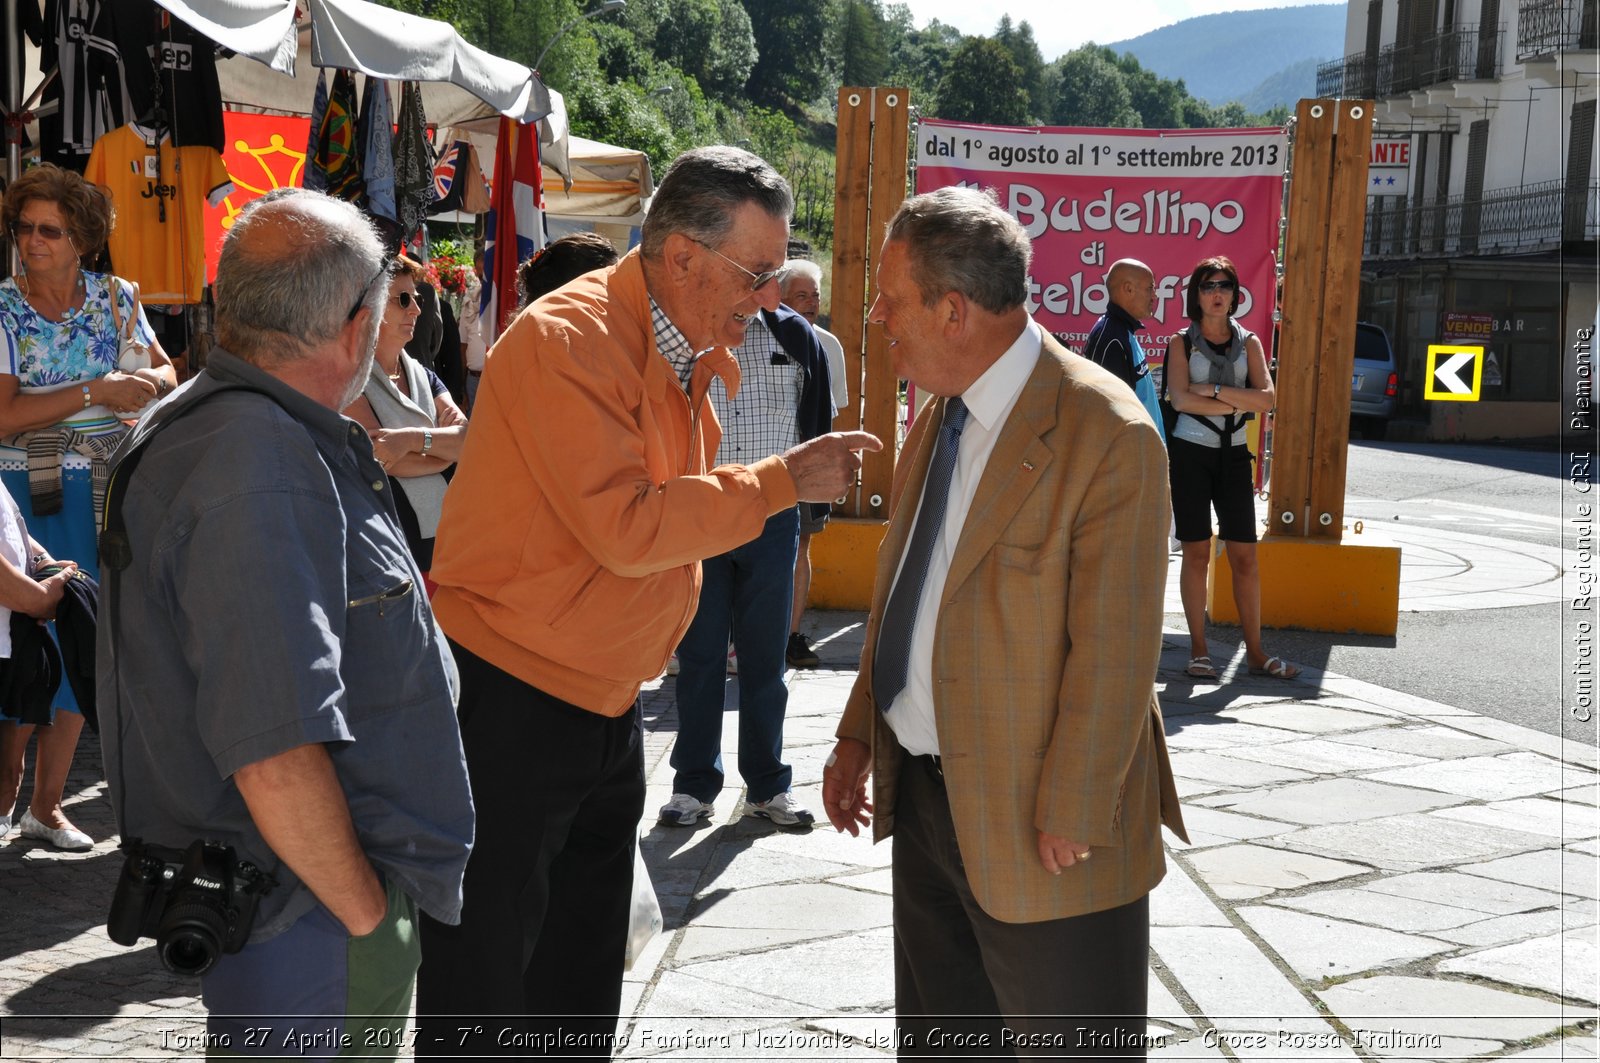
[1259,58]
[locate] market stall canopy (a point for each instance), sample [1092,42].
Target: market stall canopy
[378,41]
[606,182]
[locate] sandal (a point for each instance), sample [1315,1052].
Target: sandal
[1201,668]
[1276,668]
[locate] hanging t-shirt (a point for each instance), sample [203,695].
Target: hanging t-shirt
[160,199]
[167,63]
[89,91]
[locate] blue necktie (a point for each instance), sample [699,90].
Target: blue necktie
[893,655]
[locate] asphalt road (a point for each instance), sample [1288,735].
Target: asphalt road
[1504,663]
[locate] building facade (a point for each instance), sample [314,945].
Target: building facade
[1489,234]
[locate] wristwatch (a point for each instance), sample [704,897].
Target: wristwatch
[1216,391]
[427,441]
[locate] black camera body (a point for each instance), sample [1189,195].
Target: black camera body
[197,903]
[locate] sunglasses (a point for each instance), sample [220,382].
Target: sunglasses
[1218,286]
[24,229]
[383,268]
[405,299]
[758,281]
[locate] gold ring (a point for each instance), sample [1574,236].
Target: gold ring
[1083,855]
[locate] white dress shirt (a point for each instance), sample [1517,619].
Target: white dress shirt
[989,402]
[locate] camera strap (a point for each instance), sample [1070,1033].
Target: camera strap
[116,552]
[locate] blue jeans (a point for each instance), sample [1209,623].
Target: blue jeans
[745,593]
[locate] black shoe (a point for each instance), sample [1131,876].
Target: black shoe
[800,654]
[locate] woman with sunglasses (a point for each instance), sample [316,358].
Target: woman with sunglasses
[1216,378]
[60,372]
[416,428]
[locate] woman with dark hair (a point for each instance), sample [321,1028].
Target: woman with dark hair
[61,390]
[416,428]
[1216,378]
[562,261]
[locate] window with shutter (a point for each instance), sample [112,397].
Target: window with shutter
[1472,197]
[1580,152]
[1488,39]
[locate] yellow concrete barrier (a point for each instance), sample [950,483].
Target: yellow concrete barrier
[844,560]
[1315,585]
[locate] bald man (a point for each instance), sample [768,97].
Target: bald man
[1114,343]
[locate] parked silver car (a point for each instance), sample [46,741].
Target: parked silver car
[1375,384]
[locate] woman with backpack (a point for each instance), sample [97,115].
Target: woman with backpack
[1217,378]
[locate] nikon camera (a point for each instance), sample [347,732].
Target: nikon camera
[197,903]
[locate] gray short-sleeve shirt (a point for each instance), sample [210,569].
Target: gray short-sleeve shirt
[271,603]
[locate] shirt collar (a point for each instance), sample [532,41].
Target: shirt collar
[330,427]
[673,344]
[1117,312]
[994,393]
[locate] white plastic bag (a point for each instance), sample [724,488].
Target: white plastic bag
[644,918]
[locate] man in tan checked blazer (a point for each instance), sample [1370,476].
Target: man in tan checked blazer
[1006,703]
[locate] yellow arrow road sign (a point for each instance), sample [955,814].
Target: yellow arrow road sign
[1449,368]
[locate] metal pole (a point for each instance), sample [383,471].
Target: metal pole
[18,53]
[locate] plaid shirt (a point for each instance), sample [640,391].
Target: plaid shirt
[673,344]
[762,421]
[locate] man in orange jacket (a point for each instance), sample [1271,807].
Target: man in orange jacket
[568,562]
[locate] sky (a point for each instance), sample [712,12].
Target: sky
[1062,25]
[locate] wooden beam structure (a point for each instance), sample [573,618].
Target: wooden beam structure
[873,164]
[1316,343]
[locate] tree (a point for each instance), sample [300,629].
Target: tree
[860,46]
[1024,51]
[918,58]
[1092,92]
[983,84]
[791,41]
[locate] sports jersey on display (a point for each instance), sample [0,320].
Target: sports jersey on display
[160,199]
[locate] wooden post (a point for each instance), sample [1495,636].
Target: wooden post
[874,131]
[1316,345]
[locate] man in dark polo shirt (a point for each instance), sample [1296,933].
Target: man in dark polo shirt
[272,678]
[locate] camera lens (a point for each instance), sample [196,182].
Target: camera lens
[190,939]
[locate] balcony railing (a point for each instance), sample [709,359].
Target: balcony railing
[1455,55]
[1351,77]
[1537,217]
[1550,27]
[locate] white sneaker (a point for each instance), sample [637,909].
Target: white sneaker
[672,665]
[783,810]
[5,825]
[69,838]
[684,810]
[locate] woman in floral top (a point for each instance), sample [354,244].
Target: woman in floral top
[60,368]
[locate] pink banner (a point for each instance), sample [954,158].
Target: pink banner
[1168,197]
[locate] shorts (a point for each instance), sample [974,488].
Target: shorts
[812,524]
[1207,477]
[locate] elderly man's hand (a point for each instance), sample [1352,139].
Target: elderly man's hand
[824,467]
[844,786]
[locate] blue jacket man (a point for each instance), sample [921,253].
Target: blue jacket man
[1113,343]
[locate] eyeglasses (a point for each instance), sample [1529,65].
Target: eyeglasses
[361,299]
[23,229]
[1218,286]
[405,299]
[758,281]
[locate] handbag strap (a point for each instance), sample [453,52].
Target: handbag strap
[124,331]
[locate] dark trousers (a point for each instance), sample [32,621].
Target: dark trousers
[535,967]
[967,984]
[745,594]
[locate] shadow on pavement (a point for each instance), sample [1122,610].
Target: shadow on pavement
[113,982]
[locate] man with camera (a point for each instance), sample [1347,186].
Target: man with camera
[280,736]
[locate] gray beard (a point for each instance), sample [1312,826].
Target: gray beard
[358,383]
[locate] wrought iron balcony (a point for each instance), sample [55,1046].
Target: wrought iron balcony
[1350,77]
[1455,55]
[1550,27]
[1529,218]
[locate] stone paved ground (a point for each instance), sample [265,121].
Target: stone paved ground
[1372,876]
